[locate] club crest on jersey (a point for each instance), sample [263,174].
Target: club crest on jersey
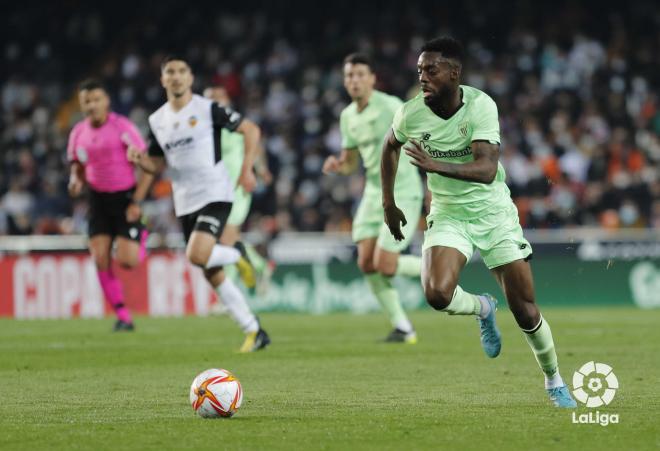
[192,121]
[463,128]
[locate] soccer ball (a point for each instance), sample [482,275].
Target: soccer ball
[216,393]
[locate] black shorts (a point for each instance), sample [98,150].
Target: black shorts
[107,215]
[211,218]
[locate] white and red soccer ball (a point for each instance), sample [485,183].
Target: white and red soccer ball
[216,393]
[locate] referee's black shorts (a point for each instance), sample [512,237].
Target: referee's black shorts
[107,215]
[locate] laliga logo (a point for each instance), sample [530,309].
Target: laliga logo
[595,385]
[597,376]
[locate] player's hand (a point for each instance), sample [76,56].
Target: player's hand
[133,212]
[265,175]
[75,186]
[419,157]
[395,219]
[331,165]
[133,154]
[247,180]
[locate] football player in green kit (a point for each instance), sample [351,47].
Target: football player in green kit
[232,155]
[364,124]
[453,134]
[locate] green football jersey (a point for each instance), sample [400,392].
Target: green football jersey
[450,141]
[232,153]
[365,131]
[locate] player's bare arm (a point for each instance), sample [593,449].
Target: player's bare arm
[76,179]
[482,170]
[347,163]
[251,135]
[134,209]
[389,163]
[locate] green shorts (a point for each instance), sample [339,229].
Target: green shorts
[240,207]
[369,222]
[498,236]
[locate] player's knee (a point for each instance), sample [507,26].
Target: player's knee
[366,264]
[197,257]
[101,260]
[438,294]
[386,268]
[128,262]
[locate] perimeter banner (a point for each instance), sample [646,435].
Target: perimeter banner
[63,285]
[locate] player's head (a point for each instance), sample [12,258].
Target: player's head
[218,94]
[439,68]
[94,100]
[176,76]
[359,78]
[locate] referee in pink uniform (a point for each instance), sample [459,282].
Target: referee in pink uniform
[97,154]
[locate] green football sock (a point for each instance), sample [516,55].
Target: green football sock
[463,303]
[540,340]
[258,262]
[409,266]
[388,297]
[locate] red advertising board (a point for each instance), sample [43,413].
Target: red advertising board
[64,285]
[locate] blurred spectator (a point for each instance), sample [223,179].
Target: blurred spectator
[577,90]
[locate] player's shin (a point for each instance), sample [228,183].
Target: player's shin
[382,288]
[222,255]
[464,303]
[540,340]
[409,266]
[237,306]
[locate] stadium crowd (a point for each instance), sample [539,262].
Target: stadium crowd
[578,98]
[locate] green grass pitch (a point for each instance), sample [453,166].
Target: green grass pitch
[325,383]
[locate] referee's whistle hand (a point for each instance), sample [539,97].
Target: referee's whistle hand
[133,154]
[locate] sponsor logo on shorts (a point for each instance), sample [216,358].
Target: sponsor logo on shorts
[209,220]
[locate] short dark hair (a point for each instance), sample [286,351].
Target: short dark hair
[173,57]
[448,46]
[90,84]
[359,58]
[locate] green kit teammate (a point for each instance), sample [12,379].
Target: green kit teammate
[453,134]
[232,155]
[364,124]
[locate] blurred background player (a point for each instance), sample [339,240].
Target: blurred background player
[232,156]
[97,154]
[454,136]
[364,124]
[186,133]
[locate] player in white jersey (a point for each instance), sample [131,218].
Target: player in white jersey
[185,134]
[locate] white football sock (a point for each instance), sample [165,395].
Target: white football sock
[553,381]
[222,255]
[485,307]
[404,325]
[237,307]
